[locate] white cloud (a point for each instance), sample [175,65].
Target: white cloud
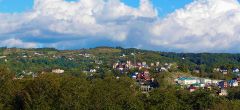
[17,43]
[95,18]
[101,19]
[203,25]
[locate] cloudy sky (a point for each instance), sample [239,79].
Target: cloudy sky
[164,25]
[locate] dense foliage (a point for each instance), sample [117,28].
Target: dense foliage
[54,92]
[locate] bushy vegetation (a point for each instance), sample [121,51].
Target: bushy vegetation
[57,92]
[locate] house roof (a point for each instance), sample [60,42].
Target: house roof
[185,78]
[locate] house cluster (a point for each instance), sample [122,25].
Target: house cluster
[86,55]
[144,81]
[129,65]
[164,67]
[22,74]
[194,83]
[225,71]
[140,65]
[121,66]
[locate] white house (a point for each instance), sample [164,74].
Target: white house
[223,92]
[205,81]
[1,57]
[224,71]
[58,71]
[187,81]
[236,70]
[233,83]
[216,69]
[215,82]
[144,63]
[93,70]
[163,69]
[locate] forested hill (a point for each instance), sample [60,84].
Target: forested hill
[98,78]
[205,61]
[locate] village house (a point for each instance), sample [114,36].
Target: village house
[1,57]
[148,85]
[224,71]
[222,92]
[134,77]
[99,62]
[18,77]
[205,81]
[58,71]
[163,69]
[145,88]
[123,55]
[233,83]
[216,69]
[235,70]
[168,65]
[207,87]
[223,84]
[196,71]
[144,76]
[187,81]
[215,82]
[237,79]
[92,70]
[144,63]
[192,88]
[39,54]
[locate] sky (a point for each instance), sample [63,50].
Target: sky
[162,25]
[164,7]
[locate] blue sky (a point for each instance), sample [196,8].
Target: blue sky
[164,6]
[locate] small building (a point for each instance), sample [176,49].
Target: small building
[145,88]
[235,70]
[238,79]
[134,77]
[216,69]
[187,81]
[224,71]
[196,71]
[233,83]
[215,82]
[144,63]
[208,87]
[205,81]
[92,70]
[144,76]
[223,84]
[1,57]
[163,69]
[58,71]
[192,88]
[222,92]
